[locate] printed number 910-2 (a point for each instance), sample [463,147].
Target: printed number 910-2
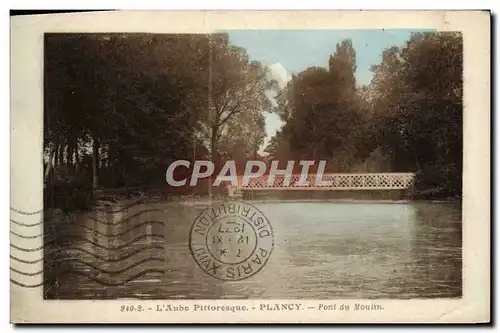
[131,308]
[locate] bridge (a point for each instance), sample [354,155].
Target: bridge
[329,182]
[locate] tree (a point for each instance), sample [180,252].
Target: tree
[126,95]
[244,135]
[234,86]
[278,146]
[418,109]
[321,109]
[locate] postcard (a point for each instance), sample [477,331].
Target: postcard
[250,167]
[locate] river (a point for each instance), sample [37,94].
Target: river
[322,250]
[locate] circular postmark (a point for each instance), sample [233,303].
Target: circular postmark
[231,240]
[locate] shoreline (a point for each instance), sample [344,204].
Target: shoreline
[206,200]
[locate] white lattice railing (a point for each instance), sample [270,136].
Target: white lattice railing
[335,181]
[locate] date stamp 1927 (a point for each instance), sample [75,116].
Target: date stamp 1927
[231,240]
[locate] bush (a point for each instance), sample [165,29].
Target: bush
[67,191]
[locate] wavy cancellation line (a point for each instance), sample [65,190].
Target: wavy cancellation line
[150,222]
[124,220]
[23,212]
[96,256]
[122,209]
[100,270]
[26,224]
[108,223]
[20,284]
[96,280]
[119,259]
[25,273]
[24,236]
[26,261]
[117,283]
[95,209]
[26,249]
[26,213]
[120,247]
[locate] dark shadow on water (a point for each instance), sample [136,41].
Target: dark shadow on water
[437,250]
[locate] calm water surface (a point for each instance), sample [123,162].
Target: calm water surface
[323,250]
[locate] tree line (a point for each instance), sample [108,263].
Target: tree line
[120,107]
[408,119]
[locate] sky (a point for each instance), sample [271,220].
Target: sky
[292,51]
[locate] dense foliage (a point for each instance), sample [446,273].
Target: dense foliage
[408,119]
[120,107]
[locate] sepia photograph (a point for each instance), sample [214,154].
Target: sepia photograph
[259,164]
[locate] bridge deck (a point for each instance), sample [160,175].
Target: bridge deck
[332,181]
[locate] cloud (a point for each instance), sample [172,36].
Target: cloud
[273,121]
[280,74]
